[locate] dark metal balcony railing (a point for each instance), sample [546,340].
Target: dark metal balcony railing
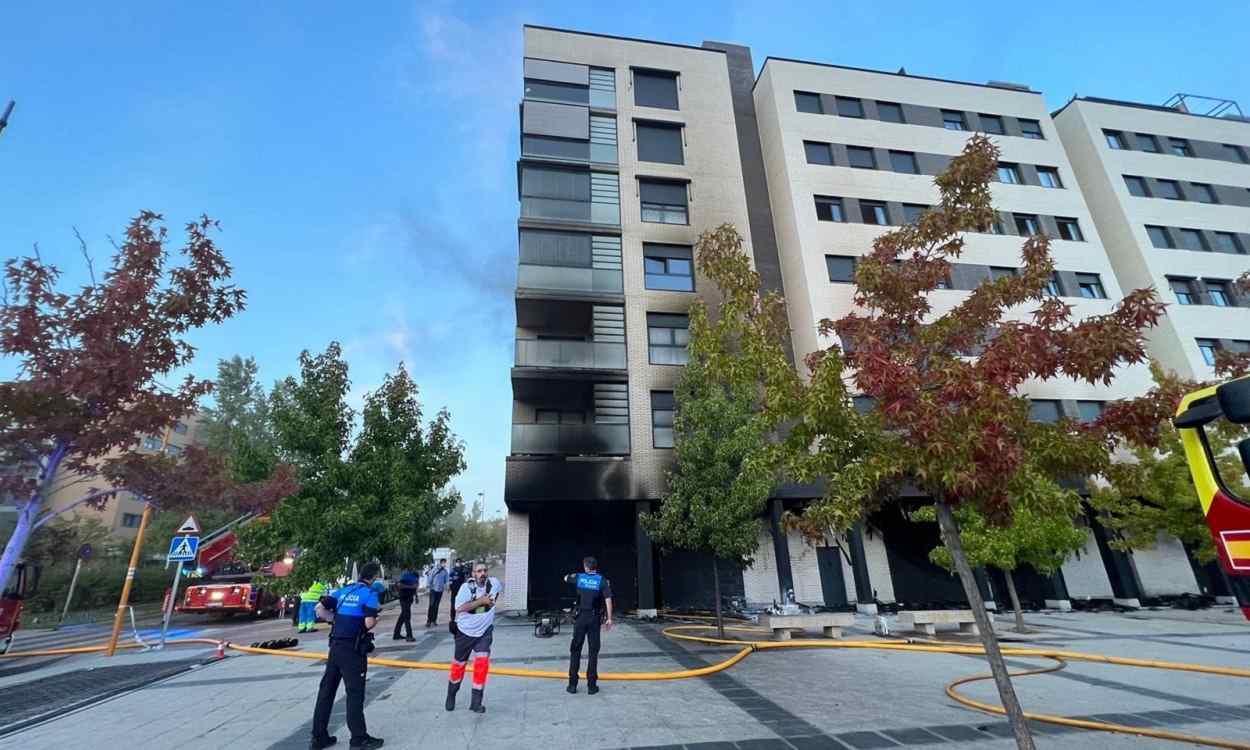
[569,279]
[570,439]
[588,355]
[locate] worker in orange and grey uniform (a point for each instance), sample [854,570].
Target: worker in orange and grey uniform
[592,612]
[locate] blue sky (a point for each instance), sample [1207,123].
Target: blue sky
[363,163]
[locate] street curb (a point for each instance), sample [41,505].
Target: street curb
[102,697]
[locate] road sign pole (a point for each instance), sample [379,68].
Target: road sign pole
[70,596]
[130,580]
[169,608]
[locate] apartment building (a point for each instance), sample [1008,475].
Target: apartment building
[1171,193]
[629,150]
[122,514]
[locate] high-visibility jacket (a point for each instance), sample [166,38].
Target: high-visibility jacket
[314,592]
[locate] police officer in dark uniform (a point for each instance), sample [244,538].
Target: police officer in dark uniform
[594,599]
[355,608]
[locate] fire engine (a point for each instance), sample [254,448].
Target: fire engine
[220,584]
[1227,510]
[25,581]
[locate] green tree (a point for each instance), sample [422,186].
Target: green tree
[1153,492]
[726,459]
[1042,534]
[475,537]
[377,497]
[949,388]
[238,425]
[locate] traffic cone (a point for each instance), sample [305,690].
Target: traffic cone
[221,649]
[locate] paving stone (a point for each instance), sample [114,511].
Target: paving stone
[914,736]
[866,740]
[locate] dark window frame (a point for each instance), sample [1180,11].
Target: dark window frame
[1186,294]
[1052,173]
[1204,193]
[1204,345]
[1168,186]
[1233,242]
[831,260]
[667,405]
[863,151]
[1237,152]
[1020,219]
[1009,168]
[1069,228]
[1141,182]
[664,209]
[664,254]
[1147,142]
[1180,147]
[1037,415]
[1220,287]
[909,156]
[852,103]
[554,86]
[864,207]
[646,126]
[834,203]
[666,322]
[1115,140]
[984,118]
[1166,236]
[1092,283]
[1186,232]
[825,149]
[804,96]
[656,73]
[1035,133]
[949,117]
[912,212]
[883,107]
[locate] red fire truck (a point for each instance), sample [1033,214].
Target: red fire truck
[220,584]
[25,581]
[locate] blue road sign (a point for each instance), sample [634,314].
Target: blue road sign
[183,548]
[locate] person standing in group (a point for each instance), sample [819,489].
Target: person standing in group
[407,595]
[355,612]
[474,628]
[308,607]
[455,579]
[438,582]
[594,600]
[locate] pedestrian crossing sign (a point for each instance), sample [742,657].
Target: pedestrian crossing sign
[183,548]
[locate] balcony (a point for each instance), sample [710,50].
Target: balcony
[577,355]
[570,439]
[569,263]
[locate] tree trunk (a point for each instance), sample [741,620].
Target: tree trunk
[26,517]
[720,621]
[1015,602]
[1007,693]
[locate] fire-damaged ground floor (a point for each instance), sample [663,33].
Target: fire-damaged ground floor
[884,561]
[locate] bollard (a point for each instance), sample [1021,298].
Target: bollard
[221,649]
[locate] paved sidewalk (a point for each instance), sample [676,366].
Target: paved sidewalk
[787,700]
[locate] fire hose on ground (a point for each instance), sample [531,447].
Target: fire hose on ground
[747,647]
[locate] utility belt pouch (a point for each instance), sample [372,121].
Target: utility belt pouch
[364,643]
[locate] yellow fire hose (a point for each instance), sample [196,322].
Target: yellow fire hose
[682,632]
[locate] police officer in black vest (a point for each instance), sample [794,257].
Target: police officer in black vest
[594,599]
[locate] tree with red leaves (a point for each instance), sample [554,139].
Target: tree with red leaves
[951,410]
[88,386]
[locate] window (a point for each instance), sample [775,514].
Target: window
[1148,143]
[1184,290]
[131,520]
[1159,236]
[873,212]
[992,124]
[1031,129]
[667,338]
[829,209]
[904,161]
[1115,139]
[180,428]
[558,92]
[1136,186]
[863,404]
[1090,285]
[841,268]
[659,142]
[1052,288]
[890,112]
[173,450]
[558,148]
[849,106]
[1192,239]
[1069,229]
[668,268]
[1044,410]
[1239,346]
[555,416]
[912,212]
[1217,292]
[549,193]
[805,101]
[663,201]
[1008,174]
[1203,193]
[1027,225]
[1226,242]
[151,444]
[1002,272]
[818,153]
[1167,189]
[1049,177]
[1089,411]
[1208,348]
[655,88]
[861,158]
[1180,147]
[1236,153]
[662,408]
[953,120]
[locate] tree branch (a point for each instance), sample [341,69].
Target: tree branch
[86,499]
[82,245]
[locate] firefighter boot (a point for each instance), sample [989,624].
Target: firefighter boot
[452,689]
[475,705]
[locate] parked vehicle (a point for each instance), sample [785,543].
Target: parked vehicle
[25,582]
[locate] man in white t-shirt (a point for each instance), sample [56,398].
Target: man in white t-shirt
[474,628]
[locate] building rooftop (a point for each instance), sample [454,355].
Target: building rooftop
[1225,110]
[902,73]
[622,38]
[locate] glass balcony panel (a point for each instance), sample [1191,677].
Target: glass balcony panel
[587,355]
[570,439]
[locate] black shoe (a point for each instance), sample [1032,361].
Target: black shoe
[368,743]
[410,639]
[571,689]
[452,689]
[395,637]
[319,743]
[592,689]
[475,705]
